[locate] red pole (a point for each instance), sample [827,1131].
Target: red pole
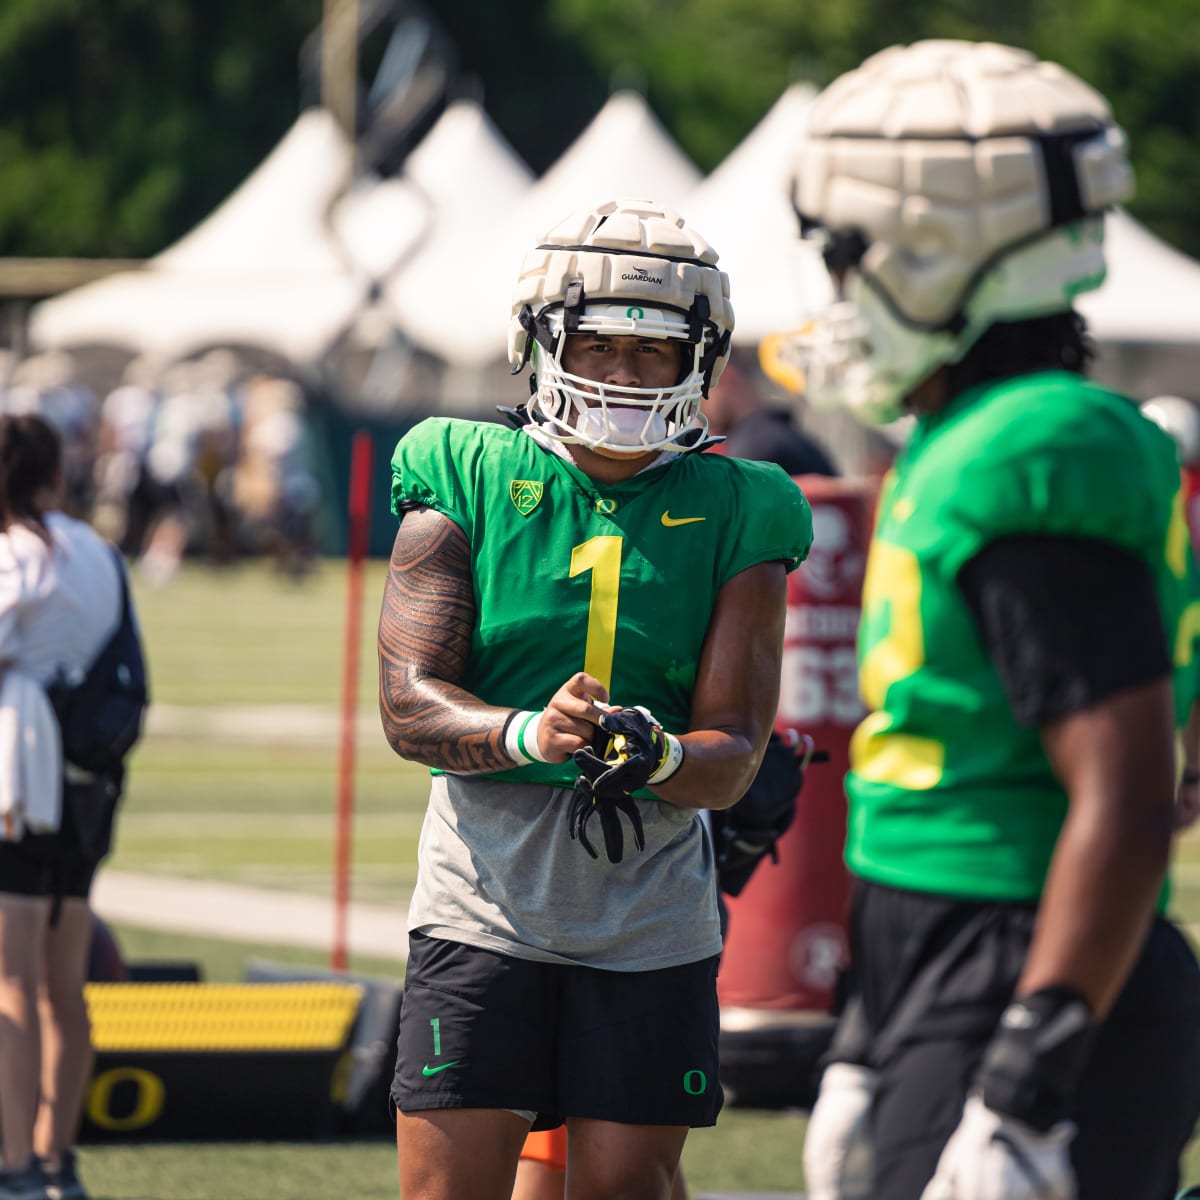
[358,528]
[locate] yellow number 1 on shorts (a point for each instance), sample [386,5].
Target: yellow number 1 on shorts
[601,556]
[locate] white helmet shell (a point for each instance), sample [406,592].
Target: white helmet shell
[625,268]
[1181,419]
[961,184]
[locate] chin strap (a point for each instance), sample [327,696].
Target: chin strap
[517,417]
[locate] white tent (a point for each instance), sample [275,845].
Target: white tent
[1151,293]
[457,305]
[471,179]
[624,153]
[743,210]
[271,268]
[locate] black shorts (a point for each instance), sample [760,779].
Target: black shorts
[64,863]
[35,866]
[934,975]
[484,1030]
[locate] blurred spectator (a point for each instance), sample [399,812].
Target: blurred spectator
[169,481]
[218,384]
[60,601]
[123,509]
[48,385]
[736,409]
[275,488]
[200,455]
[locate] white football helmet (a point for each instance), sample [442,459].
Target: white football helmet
[951,185]
[625,268]
[1181,419]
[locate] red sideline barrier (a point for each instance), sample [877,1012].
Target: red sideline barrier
[1191,502]
[787,930]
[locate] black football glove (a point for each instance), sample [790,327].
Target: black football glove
[628,749]
[748,831]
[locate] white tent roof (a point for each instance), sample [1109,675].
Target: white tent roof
[471,179]
[464,139]
[457,305]
[624,152]
[266,269]
[743,210]
[1151,293]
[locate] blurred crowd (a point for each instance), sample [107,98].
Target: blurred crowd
[197,457]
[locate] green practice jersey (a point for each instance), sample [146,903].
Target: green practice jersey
[618,580]
[948,793]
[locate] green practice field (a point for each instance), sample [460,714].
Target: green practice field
[236,781]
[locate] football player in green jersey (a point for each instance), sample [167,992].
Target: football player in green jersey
[1030,1020]
[581,635]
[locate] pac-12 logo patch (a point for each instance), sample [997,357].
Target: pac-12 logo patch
[526,495]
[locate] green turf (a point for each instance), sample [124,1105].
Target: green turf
[746,1151]
[365,1170]
[247,636]
[248,794]
[755,1151]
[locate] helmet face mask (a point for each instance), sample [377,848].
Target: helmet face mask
[626,269]
[950,186]
[579,410]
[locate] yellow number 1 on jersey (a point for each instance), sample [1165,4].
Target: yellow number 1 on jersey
[601,556]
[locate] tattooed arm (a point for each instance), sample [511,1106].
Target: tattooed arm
[424,639]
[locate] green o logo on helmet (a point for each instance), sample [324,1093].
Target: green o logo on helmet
[635,313]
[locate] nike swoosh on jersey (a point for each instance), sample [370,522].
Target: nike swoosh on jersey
[670,522]
[427,1070]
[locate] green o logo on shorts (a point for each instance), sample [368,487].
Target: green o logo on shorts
[695,1082]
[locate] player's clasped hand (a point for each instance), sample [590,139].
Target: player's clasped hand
[628,749]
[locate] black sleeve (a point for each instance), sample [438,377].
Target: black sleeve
[1067,621]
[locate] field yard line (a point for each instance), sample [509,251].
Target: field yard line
[239,913]
[256,723]
[273,824]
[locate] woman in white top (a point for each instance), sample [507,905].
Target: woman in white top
[60,602]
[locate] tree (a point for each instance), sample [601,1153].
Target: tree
[713,67]
[127,122]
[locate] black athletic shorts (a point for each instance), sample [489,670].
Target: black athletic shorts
[63,863]
[484,1030]
[933,976]
[35,866]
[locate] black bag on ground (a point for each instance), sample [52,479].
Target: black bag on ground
[101,716]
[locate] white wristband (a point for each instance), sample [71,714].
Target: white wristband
[672,760]
[521,737]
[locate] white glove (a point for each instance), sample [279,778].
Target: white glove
[837,1147]
[992,1157]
